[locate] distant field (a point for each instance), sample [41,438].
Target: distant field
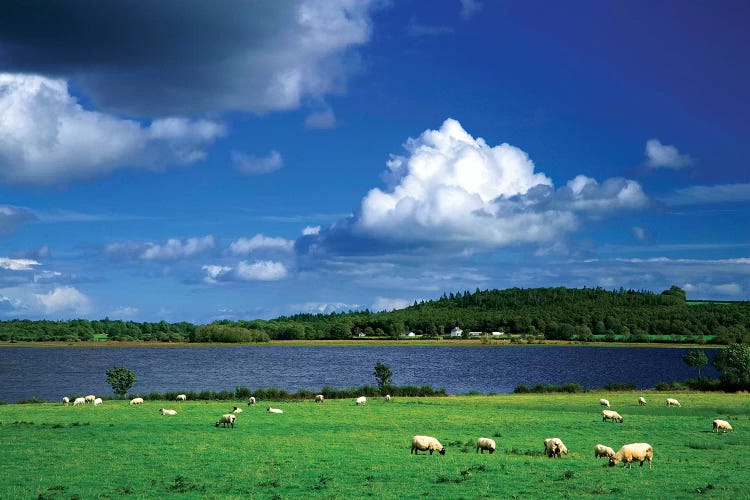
[337,449]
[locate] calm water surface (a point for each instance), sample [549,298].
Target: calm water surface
[50,373]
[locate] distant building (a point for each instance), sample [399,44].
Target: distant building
[475,334]
[362,335]
[411,334]
[456,332]
[498,334]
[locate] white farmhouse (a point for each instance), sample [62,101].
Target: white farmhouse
[456,332]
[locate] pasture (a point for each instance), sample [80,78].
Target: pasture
[337,449]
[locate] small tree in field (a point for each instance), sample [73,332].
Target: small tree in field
[696,359]
[384,377]
[121,379]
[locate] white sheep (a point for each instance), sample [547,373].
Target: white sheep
[136,401]
[251,401]
[79,401]
[635,451]
[554,447]
[236,409]
[642,401]
[66,400]
[486,444]
[601,450]
[274,410]
[722,425]
[611,415]
[227,419]
[164,411]
[426,443]
[98,401]
[673,402]
[604,402]
[181,397]
[90,398]
[361,400]
[319,398]
[387,397]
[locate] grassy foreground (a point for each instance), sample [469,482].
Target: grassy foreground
[340,450]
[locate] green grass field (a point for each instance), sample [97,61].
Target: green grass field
[339,450]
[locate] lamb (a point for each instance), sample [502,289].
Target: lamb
[90,398]
[486,444]
[673,402]
[181,397]
[387,397]
[66,400]
[79,401]
[603,451]
[164,411]
[98,401]
[136,401]
[553,447]
[274,410]
[319,398]
[611,415]
[426,443]
[722,425]
[604,402]
[236,409]
[361,400]
[251,401]
[635,451]
[227,418]
[642,401]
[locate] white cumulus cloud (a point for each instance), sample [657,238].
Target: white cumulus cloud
[310,230]
[65,299]
[176,249]
[252,165]
[660,155]
[261,270]
[245,246]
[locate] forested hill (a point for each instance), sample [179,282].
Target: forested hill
[588,314]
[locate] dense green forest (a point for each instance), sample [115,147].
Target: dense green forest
[588,315]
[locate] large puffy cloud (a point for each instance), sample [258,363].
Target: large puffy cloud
[188,56]
[259,270]
[46,136]
[660,155]
[65,299]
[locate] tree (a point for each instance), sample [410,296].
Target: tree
[384,377]
[696,359]
[121,379]
[734,362]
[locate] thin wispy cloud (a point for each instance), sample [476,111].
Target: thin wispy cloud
[708,195]
[253,165]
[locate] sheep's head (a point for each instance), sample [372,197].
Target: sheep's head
[442,450]
[613,461]
[492,450]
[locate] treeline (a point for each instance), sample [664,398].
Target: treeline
[587,315]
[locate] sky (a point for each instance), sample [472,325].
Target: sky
[185,161]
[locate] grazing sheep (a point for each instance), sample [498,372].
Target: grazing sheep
[673,402]
[604,402]
[227,418]
[486,444]
[251,401]
[611,415]
[319,398]
[642,401]
[361,400]
[164,411]
[181,397]
[603,451]
[721,425]
[98,401]
[66,400]
[236,409]
[274,410]
[387,397]
[79,401]
[90,398]
[635,451]
[426,443]
[136,401]
[553,447]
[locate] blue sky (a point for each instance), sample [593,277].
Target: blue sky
[191,163]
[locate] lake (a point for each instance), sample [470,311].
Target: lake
[50,373]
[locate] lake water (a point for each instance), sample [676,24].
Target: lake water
[50,373]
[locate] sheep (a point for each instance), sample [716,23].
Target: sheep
[635,451]
[553,447]
[90,398]
[426,443]
[98,401]
[604,402]
[642,401]
[319,398]
[79,401]
[486,444]
[66,400]
[164,411]
[361,400]
[181,397]
[387,397]
[673,402]
[274,410]
[227,418]
[236,409]
[251,401]
[611,415]
[603,451]
[722,425]
[136,401]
